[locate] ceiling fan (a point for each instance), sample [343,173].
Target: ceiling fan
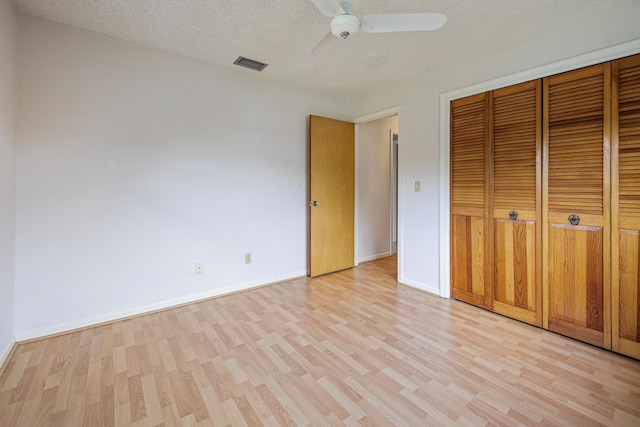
[344,24]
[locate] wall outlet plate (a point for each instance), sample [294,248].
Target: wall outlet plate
[199,267]
[247,258]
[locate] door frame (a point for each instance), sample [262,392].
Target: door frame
[591,58]
[393,111]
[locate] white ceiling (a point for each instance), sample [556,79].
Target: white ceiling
[282,32]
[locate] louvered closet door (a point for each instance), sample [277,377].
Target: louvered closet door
[576,207]
[516,201]
[469,204]
[626,206]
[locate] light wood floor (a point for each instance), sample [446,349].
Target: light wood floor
[352,348]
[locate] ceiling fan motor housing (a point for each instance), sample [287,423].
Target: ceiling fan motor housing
[344,25]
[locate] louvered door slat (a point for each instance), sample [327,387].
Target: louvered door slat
[469,199]
[626,206]
[576,171]
[516,115]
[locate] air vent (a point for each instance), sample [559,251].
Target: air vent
[250,63]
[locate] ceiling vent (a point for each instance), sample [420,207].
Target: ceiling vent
[250,63]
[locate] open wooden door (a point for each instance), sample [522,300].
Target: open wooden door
[332,195]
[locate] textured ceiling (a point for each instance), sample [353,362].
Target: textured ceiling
[282,32]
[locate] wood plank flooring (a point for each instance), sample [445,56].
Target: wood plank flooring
[350,348]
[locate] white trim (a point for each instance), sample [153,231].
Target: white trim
[376,256]
[392,192]
[400,188]
[110,317]
[393,111]
[591,58]
[4,354]
[356,201]
[430,289]
[379,115]
[445,265]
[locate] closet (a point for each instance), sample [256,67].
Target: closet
[495,185]
[545,203]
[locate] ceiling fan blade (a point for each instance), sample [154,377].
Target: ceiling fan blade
[318,52]
[396,22]
[329,7]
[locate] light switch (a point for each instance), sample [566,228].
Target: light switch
[417,186]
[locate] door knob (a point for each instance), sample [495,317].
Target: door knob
[314,203]
[513,215]
[574,219]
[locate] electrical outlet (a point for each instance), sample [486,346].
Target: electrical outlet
[247,258]
[198,267]
[417,186]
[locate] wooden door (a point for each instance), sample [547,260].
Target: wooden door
[469,200]
[332,195]
[516,120]
[576,208]
[626,206]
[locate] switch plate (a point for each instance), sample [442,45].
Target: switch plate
[198,267]
[417,186]
[247,258]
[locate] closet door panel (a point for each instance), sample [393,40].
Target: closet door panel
[515,201]
[626,299]
[575,260]
[626,206]
[515,293]
[469,200]
[576,209]
[468,266]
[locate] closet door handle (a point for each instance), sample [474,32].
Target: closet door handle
[513,215]
[574,219]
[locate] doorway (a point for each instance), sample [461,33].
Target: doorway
[376,188]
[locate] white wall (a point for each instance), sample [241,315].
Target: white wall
[7,176]
[133,164]
[374,188]
[419,125]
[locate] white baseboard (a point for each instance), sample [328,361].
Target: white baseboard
[374,257]
[435,290]
[136,311]
[5,352]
